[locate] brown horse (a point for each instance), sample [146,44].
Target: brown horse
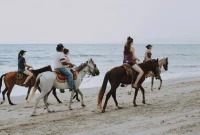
[13,78]
[118,75]
[162,63]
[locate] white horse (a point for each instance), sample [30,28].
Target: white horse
[47,80]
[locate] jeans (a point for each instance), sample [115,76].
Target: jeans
[69,75]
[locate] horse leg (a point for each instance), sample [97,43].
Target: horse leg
[3,94]
[45,102]
[160,82]
[29,90]
[43,93]
[8,94]
[115,100]
[79,92]
[152,80]
[76,96]
[71,98]
[55,95]
[143,94]
[134,100]
[112,90]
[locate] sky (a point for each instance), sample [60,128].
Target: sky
[99,21]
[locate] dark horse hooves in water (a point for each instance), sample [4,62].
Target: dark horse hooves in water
[118,75]
[10,80]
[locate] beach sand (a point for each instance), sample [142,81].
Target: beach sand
[175,109]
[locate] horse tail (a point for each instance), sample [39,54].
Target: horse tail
[1,79]
[37,82]
[103,88]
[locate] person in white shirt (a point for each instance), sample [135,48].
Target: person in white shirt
[60,63]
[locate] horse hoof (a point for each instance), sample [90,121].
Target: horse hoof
[83,105]
[78,100]
[135,105]
[49,111]
[60,102]
[151,89]
[33,114]
[103,111]
[159,88]
[119,107]
[70,109]
[143,102]
[2,102]
[13,104]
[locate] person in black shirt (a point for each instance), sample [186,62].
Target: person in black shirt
[21,66]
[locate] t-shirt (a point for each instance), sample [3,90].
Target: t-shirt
[21,62]
[67,59]
[58,59]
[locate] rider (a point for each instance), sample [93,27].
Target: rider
[60,63]
[21,67]
[129,57]
[148,52]
[66,53]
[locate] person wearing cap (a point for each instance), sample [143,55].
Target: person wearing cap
[21,67]
[60,63]
[148,53]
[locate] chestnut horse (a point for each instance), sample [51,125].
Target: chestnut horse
[11,79]
[162,63]
[118,75]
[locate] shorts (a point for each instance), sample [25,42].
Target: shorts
[130,63]
[21,70]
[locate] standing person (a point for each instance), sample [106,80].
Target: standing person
[129,57]
[148,53]
[21,67]
[60,63]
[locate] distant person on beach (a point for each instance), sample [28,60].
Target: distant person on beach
[148,53]
[60,63]
[130,58]
[21,67]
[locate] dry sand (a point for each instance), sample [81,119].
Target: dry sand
[174,110]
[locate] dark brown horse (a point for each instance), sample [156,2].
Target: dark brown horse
[118,75]
[13,78]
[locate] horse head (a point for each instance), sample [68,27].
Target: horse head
[93,70]
[153,64]
[165,65]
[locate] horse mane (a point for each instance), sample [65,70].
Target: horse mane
[81,67]
[41,70]
[147,62]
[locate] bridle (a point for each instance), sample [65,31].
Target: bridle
[89,72]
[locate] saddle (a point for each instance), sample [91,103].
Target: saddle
[129,70]
[20,75]
[62,78]
[130,73]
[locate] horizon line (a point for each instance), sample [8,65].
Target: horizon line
[97,43]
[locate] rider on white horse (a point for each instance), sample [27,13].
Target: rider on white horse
[60,63]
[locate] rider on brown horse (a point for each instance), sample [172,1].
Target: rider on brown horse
[148,53]
[129,57]
[21,67]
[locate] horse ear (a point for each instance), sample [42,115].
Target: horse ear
[167,58]
[157,59]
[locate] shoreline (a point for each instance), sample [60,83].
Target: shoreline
[172,110]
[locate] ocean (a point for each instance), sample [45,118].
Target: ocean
[183,59]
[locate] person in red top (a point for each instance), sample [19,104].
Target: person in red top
[130,58]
